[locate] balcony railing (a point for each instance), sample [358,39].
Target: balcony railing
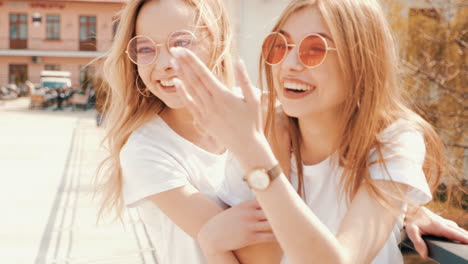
[18,44]
[88,45]
[445,251]
[63,44]
[441,250]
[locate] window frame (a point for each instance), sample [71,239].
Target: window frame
[53,27]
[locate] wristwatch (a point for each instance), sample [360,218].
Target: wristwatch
[260,179]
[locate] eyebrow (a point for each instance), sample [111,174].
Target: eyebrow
[325,35]
[178,33]
[143,41]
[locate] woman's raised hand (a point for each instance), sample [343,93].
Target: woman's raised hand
[234,120]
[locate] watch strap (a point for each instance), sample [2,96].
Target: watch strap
[274,172]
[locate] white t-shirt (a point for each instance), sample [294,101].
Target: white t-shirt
[156,159]
[404,160]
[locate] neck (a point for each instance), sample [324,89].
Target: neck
[181,121]
[319,134]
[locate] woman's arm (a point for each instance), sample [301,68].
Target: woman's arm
[362,233]
[191,210]
[219,235]
[187,208]
[280,141]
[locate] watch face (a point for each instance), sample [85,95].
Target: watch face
[259,180]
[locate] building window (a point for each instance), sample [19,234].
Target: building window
[18,73]
[88,33]
[52,67]
[53,27]
[18,31]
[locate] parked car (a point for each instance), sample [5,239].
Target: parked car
[55,79]
[50,83]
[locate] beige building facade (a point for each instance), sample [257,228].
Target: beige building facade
[37,35]
[66,35]
[54,35]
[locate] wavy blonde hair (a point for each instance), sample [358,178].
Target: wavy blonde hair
[374,100]
[126,109]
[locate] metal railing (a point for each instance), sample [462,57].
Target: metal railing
[445,251]
[440,250]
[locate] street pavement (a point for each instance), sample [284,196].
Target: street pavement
[48,215]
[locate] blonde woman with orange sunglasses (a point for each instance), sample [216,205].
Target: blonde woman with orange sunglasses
[359,157]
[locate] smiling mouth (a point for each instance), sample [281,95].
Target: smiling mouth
[167,86]
[297,87]
[166,83]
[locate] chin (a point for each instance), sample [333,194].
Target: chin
[293,111]
[173,102]
[298,111]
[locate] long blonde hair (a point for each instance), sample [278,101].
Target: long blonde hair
[126,109]
[369,61]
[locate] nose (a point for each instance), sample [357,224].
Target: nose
[163,61]
[291,62]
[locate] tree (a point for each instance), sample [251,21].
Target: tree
[433,41]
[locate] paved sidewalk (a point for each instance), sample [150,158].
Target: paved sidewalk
[47,162]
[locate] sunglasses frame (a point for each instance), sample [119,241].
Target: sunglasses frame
[327,48]
[157,46]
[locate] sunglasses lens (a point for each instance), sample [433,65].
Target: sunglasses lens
[142,50]
[274,48]
[312,51]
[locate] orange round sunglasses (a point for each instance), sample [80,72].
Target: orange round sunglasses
[312,51]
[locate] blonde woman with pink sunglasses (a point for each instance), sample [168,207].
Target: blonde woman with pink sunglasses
[159,162]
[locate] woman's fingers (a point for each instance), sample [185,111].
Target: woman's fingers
[198,69]
[191,83]
[414,235]
[244,81]
[262,226]
[259,215]
[455,232]
[264,237]
[449,229]
[187,99]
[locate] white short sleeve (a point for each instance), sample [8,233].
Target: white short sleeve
[147,171]
[403,153]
